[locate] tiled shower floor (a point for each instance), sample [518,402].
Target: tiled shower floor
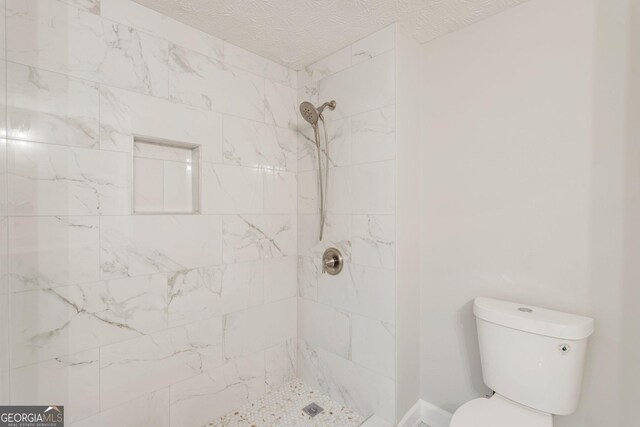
[283,408]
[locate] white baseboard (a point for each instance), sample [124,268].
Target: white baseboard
[427,413]
[434,416]
[413,417]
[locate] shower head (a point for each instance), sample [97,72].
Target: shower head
[311,114]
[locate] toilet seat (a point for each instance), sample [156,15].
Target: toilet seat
[498,411]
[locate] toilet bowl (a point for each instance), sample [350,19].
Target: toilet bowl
[498,411]
[532,358]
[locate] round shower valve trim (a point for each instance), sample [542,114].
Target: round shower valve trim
[332,261]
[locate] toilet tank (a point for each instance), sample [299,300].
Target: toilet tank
[532,355]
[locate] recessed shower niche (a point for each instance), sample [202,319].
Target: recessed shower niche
[166,177]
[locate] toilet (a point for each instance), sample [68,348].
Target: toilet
[532,358]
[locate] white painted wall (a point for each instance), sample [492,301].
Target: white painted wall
[524,120]
[631,293]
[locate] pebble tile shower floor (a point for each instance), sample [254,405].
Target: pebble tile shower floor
[283,408]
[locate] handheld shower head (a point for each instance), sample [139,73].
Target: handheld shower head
[311,114]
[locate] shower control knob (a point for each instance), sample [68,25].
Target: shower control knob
[332,261]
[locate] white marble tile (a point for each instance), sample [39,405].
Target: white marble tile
[82,317]
[148,178]
[374,345]
[306,149]
[5,392]
[205,82]
[242,287]
[149,410]
[373,239]
[3,93]
[212,394]
[4,332]
[136,16]
[342,189]
[309,270]
[49,179]
[253,237]
[250,143]
[282,231]
[280,364]
[229,189]
[56,37]
[374,44]
[325,327]
[4,254]
[353,88]
[193,294]
[136,367]
[124,114]
[72,381]
[363,290]
[5,388]
[346,382]
[286,154]
[308,92]
[339,133]
[378,73]
[248,61]
[280,192]
[308,192]
[325,67]
[337,231]
[205,292]
[280,278]
[379,177]
[280,105]
[51,107]
[3,27]
[308,233]
[340,87]
[4,210]
[92,6]
[53,251]
[373,136]
[258,328]
[244,143]
[131,246]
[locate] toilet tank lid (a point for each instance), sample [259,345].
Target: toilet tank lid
[532,319]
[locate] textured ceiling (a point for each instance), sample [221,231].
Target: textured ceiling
[297,33]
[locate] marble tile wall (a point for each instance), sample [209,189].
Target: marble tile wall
[346,325]
[142,319]
[5,375]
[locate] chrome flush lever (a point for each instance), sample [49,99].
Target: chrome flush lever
[332,261]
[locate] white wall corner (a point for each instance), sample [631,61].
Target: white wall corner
[428,413]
